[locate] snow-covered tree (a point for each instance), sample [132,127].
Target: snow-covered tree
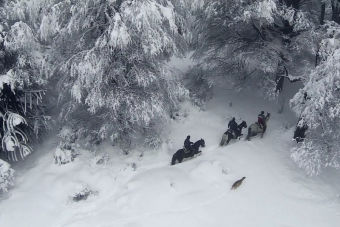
[21,77]
[255,42]
[319,107]
[6,176]
[108,59]
[14,140]
[102,62]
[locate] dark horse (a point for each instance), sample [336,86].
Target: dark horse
[181,153]
[255,128]
[228,135]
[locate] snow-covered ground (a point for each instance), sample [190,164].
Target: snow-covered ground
[142,189]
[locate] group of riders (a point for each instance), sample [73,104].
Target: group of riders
[236,131]
[233,128]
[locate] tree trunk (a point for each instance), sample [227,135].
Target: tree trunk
[317,56]
[322,14]
[336,11]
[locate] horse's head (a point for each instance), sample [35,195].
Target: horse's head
[243,124]
[202,142]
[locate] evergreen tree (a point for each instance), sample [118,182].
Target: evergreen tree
[21,111]
[255,42]
[319,107]
[108,63]
[102,64]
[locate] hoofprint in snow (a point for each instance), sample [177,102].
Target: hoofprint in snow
[142,189]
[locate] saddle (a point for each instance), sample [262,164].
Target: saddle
[231,132]
[186,150]
[259,125]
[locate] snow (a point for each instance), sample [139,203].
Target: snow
[62,156]
[119,35]
[9,143]
[17,120]
[168,13]
[142,189]
[6,176]
[7,79]
[20,36]
[262,9]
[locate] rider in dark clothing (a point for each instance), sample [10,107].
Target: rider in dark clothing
[188,143]
[232,125]
[261,119]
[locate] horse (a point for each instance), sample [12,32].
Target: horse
[181,153]
[228,135]
[255,128]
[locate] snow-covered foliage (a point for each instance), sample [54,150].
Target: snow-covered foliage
[254,42]
[263,11]
[6,176]
[257,43]
[107,57]
[63,156]
[83,194]
[21,118]
[199,85]
[65,152]
[318,104]
[22,73]
[102,63]
[31,66]
[14,140]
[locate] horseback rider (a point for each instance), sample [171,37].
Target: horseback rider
[188,144]
[261,120]
[232,125]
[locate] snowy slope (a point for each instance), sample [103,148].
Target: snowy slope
[142,189]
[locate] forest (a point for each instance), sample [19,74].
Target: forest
[95,71]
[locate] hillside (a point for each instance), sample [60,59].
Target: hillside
[142,189]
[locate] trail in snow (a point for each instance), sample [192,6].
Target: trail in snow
[144,190]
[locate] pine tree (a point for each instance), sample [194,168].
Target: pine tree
[108,63]
[255,42]
[319,107]
[21,111]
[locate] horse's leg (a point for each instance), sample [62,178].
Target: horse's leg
[173,161]
[229,138]
[264,130]
[249,134]
[193,152]
[180,158]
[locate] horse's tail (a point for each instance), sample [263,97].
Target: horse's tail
[224,137]
[173,160]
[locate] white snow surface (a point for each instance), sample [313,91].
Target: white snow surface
[144,190]
[6,176]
